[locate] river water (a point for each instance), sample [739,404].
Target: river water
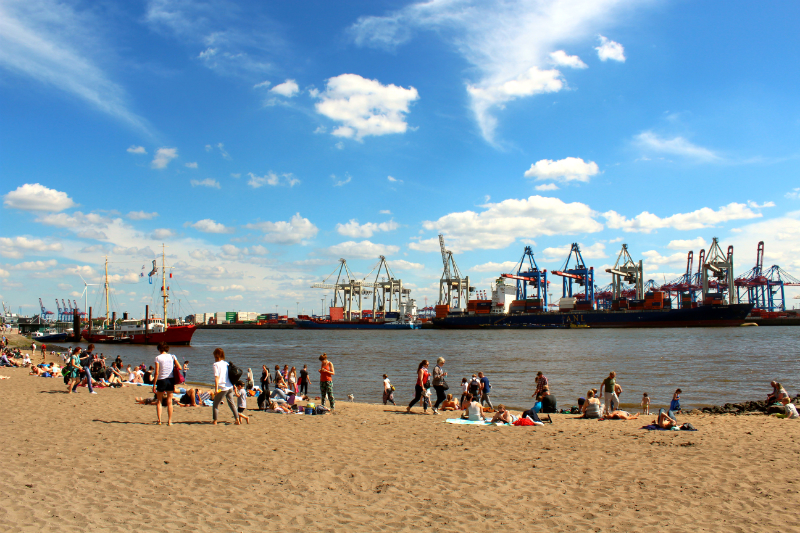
[711,365]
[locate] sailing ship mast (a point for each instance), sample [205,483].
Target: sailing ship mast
[164,293]
[105,288]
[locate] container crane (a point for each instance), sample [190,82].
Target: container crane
[720,268]
[579,274]
[626,271]
[529,275]
[454,290]
[45,313]
[765,288]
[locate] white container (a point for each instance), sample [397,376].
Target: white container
[567,303]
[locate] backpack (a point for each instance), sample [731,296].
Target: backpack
[234,373]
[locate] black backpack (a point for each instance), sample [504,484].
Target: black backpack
[234,373]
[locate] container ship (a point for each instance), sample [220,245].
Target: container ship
[629,302]
[337,321]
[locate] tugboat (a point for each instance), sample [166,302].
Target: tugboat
[148,330]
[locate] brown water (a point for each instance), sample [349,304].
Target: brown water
[711,365]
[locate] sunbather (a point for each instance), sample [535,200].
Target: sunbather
[621,415]
[666,419]
[502,415]
[449,404]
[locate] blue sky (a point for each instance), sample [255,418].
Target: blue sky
[262,141]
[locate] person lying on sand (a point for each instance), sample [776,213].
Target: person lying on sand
[502,415]
[279,407]
[449,404]
[665,421]
[621,415]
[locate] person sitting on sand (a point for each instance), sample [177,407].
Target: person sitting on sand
[503,415]
[591,407]
[26,360]
[777,394]
[791,409]
[449,404]
[621,415]
[548,401]
[666,419]
[4,361]
[474,410]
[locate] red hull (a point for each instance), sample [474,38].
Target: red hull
[174,336]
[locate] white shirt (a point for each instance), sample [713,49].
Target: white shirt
[221,372]
[166,364]
[474,411]
[791,411]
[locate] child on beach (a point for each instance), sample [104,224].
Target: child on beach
[645,404]
[791,410]
[675,404]
[241,393]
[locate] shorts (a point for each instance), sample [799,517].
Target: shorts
[165,385]
[242,409]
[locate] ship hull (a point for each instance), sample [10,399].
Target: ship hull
[53,337]
[313,324]
[174,336]
[705,316]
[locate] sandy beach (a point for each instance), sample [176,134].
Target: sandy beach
[97,462]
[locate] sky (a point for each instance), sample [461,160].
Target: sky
[260,142]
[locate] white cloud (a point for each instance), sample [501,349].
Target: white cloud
[560,253]
[508,42]
[365,107]
[385,212]
[609,49]
[563,170]
[263,84]
[794,194]
[270,178]
[226,288]
[191,165]
[53,43]
[144,251]
[652,258]
[133,149]
[34,265]
[288,89]
[361,250]
[162,233]
[208,182]
[236,175]
[209,226]
[402,264]
[230,252]
[338,183]
[75,220]
[687,244]
[16,247]
[355,230]
[295,231]
[91,233]
[163,157]
[202,255]
[141,215]
[499,268]
[547,187]
[236,298]
[560,57]
[500,224]
[394,180]
[675,146]
[706,217]
[37,197]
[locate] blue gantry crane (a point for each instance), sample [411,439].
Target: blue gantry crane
[764,288]
[527,275]
[46,315]
[578,274]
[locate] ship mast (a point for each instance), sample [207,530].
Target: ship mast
[105,287]
[164,294]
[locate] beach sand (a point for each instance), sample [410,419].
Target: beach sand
[96,462]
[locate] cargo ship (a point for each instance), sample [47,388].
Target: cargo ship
[337,321]
[148,330]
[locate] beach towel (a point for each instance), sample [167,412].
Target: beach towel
[653,427]
[472,422]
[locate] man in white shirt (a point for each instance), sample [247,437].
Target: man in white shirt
[223,388]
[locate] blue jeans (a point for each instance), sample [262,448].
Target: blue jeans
[670,414]
[88,380]
[278,393]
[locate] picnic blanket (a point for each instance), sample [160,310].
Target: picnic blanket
[472,422]
[653,427]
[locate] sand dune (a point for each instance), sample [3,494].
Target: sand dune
[96,462]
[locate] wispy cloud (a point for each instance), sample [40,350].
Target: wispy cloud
[163,157]
[54,43]
[208,182]
[674,146]
[509,43]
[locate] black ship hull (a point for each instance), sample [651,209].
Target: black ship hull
[703,316]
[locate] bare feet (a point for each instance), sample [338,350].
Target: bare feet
[213,422]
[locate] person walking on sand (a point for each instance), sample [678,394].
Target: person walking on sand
[265,381]
[675,404]
[86,364]
[166,363]
[250,380]
[607,388]
[223,388]
[419,387]
[72,370]
[486,388]
[645,404]
[388,390]
[541,381]
[615,400]
[304,379]
[326,373]
[439,384]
